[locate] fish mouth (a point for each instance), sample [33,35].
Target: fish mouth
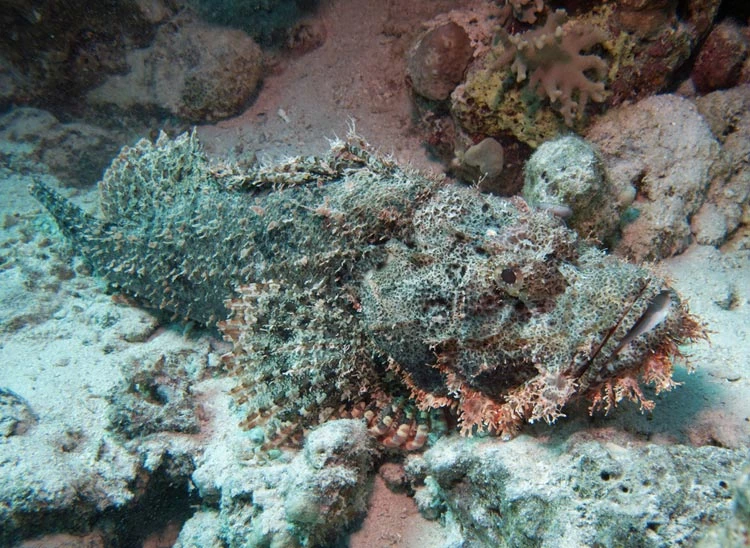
[659,308]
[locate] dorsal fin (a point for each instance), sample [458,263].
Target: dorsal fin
[147,174]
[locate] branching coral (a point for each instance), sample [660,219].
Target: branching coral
[550,57]
[523,10]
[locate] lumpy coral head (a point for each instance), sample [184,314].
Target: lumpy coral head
[350,287]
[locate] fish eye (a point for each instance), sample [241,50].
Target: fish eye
[508,276]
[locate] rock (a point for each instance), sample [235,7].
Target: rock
[728,114]
[154,397]
[725,111]
[76,153]
[438,61]
[202,530]
[736,530]
[655,39]
[699,15]
[16,415]
[709,224]
[55,52]
[663,151]
[720,59]
[62,540]
[524,493]
[192,70]
[309,500]
[745,72]
[567,175]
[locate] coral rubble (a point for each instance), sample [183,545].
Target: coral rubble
[351,287]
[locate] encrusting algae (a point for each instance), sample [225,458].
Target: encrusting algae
[351,287]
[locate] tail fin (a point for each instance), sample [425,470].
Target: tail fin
[74,223]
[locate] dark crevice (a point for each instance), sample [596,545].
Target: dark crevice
[164,500]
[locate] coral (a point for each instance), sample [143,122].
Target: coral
[567,176]
[550,56]
[586,494]
[525,83]
[660,152]
[547,76]
[487,104]
[193,70]
[354,287]
[309,500]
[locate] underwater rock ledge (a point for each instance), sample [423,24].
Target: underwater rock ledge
[352,287]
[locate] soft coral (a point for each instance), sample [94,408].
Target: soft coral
[550,56]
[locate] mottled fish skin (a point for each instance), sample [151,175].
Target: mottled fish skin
[351,287]
[185,240]
[127,262]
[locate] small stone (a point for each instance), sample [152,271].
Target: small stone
[487,156]
[394,476]
[437,63]
[16,415]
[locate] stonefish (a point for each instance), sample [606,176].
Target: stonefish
[350,286]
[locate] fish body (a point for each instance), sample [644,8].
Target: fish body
[350,286]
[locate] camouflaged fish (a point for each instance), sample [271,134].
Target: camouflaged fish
[350,286]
